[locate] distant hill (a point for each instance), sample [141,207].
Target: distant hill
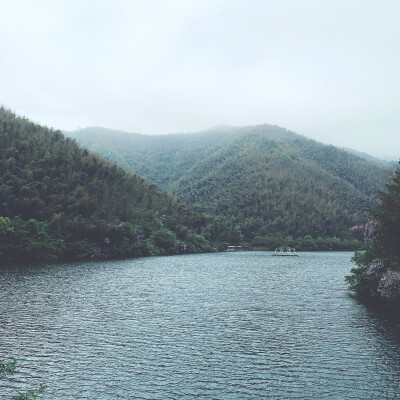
[264,181]
[383,163]
[59,201]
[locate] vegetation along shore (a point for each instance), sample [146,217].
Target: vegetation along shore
[377,275]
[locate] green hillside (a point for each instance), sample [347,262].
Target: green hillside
[263,182]
[59,201]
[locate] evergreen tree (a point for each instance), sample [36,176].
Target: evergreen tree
[377,274]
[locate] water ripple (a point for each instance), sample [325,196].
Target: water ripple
[217,326]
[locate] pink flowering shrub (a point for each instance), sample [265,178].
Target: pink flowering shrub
[389,285]
[369,230]
[376,267]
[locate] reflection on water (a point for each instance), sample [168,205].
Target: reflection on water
[221,326]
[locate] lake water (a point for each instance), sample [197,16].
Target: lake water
[210,326]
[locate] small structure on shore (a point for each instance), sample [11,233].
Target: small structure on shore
[234,248]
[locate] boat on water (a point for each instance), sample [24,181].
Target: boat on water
[288,252]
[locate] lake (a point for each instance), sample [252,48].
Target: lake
[211,326]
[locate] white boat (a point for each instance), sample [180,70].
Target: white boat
[288,252]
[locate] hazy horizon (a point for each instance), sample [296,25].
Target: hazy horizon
[326,70]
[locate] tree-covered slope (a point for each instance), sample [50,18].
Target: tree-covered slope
[59,200]
[264,180]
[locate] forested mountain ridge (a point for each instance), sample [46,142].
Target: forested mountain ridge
[264,180]
[58,200]
[384,163]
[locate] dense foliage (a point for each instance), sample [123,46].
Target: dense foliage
[58,201]
[263,182]
[377,275]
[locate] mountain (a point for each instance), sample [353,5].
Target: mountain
[263,181]
[384,163]
[59,201]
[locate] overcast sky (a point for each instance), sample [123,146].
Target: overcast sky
[326,69]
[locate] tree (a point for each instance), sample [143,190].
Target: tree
[388,216]
[377,275]
[9,368]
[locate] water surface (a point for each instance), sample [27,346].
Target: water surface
[212,326]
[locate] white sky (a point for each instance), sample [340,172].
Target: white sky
[327,69]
